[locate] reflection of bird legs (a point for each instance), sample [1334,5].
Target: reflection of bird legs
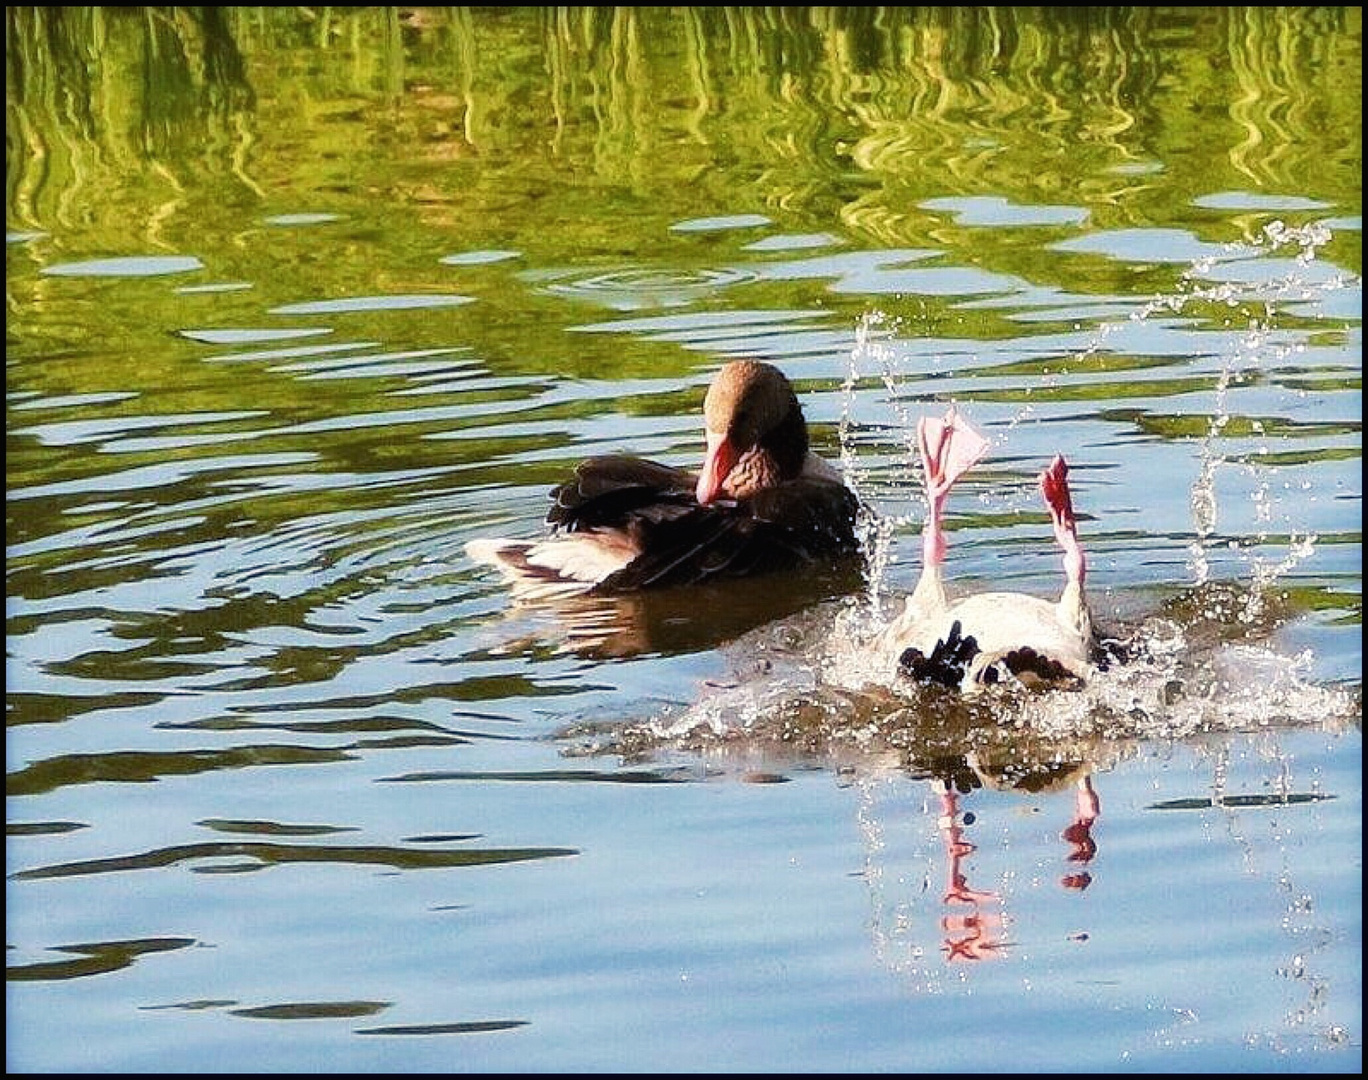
[1087,807]
[980,940]
[956,848]
[978,931]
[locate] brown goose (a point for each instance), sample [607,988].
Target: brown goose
[762,502]
[988,637]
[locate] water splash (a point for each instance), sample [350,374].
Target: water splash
[1308,942]
[876,530]
[1202,498]
[1201,664]
[1256,349]
[893,926]
[819,684]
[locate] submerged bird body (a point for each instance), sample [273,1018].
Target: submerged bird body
[762,502]
[987,637]
[1029,635]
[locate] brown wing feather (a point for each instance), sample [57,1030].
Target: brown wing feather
[616,491]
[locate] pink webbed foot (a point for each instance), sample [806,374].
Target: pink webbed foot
[948,448]
[1054,485]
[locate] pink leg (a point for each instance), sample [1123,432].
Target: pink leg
[1054,485]
[948,448]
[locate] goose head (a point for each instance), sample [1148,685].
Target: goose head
[755,430]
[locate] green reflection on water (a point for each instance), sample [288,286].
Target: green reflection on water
[263,854]
[96,958]
[163,115]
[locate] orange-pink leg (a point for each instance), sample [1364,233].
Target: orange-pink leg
[956,848]
[1054,486]
[948,448]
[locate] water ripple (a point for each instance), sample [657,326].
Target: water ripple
[632,289]
[348,304]
[264,854]
[127,266]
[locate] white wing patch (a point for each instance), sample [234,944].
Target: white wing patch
[560,566]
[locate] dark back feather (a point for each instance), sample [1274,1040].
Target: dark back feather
[682,543]
[783,528]
[612,491]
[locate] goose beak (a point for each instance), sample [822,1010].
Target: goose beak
[721,456]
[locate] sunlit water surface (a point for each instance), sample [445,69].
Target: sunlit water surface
[293,785]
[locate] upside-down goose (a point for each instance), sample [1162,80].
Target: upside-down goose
[762,502]
[990,637]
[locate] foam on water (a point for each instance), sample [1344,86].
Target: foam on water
[820,682]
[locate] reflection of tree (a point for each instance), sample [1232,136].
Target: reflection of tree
[1035,104]
[225,82]
[99,99]
[1270,105]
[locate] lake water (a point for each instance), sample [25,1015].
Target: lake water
[301,300]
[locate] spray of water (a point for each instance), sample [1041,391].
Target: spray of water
[1257,349]
[1200,666]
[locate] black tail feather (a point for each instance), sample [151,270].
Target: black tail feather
[948,661]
